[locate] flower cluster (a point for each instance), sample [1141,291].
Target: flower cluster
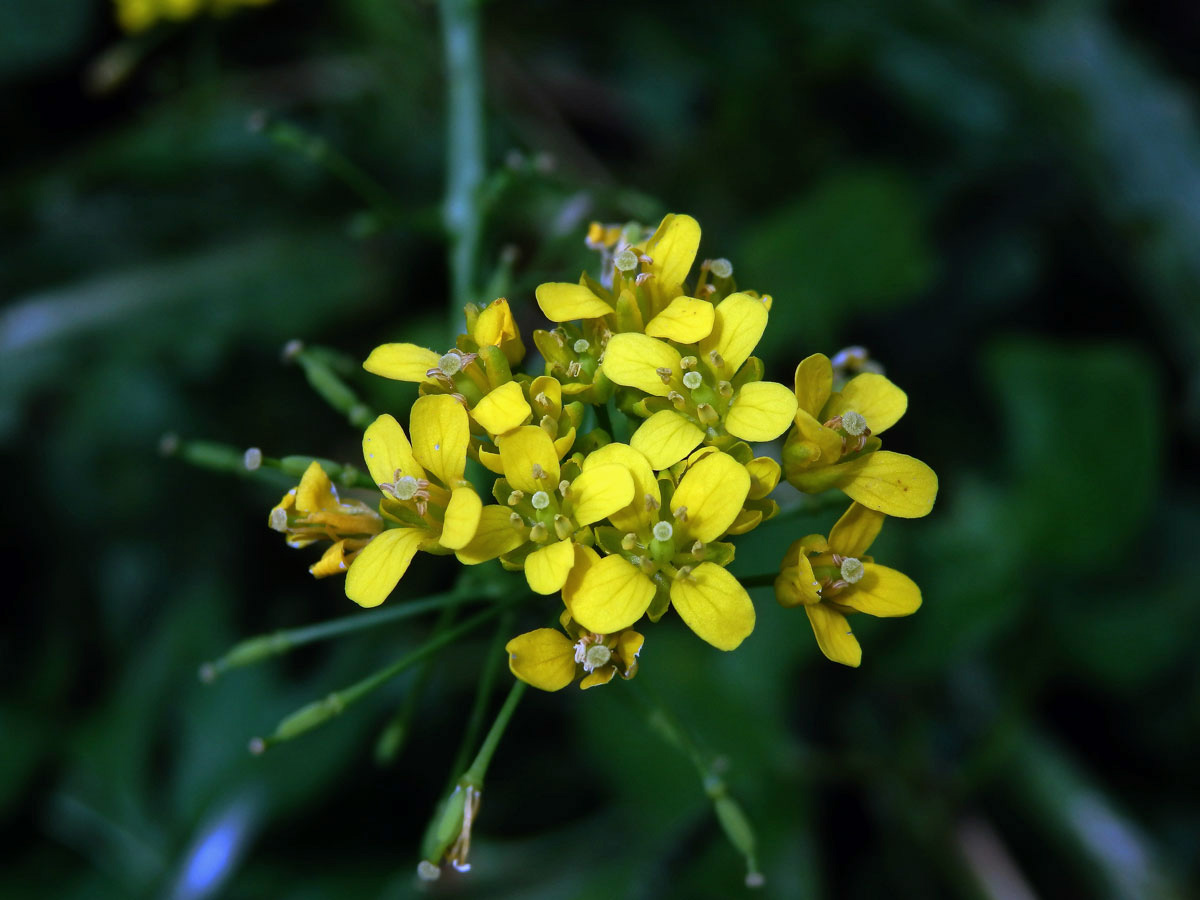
[622,469]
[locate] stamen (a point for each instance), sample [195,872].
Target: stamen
[665,374]
[716,359]
[663,531]
[688,362]
[642,278]
[574,369]
[722,267]
[853,423]
[677,399]
[684,573]
[538,472]
[699,549]
[852,570]
[516,521]
[562,527]
[540,500]
[707,415]
[515,497]
[538,533]
[564,488]
[628,542]
[581,346]
[693,380]
[252,459]
[450,364]
[626,260]
[681,515]
[725,389]
[651,503]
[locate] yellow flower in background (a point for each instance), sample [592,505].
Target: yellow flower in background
[549,660]
[833,578]
[138,15]
[666,550]
[313,511]
[547,510]
[707,397]
[834,443]
[426,500]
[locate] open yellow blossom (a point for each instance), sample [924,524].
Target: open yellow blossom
[426,501]
[516,403]
[835,442]
[550,660]
[715,396]
[664,548]
[547,509]
[138,15]
[313,511]
[833,578]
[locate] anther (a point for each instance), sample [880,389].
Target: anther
[564,488]
[693,380]
[626,260]
[677,399]
[539,473]
[542,400]
[684,573]
[853,423]
[252,459]
[651,503]
[699,549]
[540,500]
[628,542]
[278,520]
[574,369]
[707,415]
[725,389]
[681,515]
[539,533]
[722,267]
[665,374]
[716,359]
[688,362]
[515,497]
[516,521]
[581,346]
[562,527]
[642,278]
[852,570]
[450,364]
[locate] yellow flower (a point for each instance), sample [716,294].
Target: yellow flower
[481,362]
[664,550]
[834,443]
[550,660]
[514,404]
[138,15]
[715,396]
[313,511]
[833,578]
[426,502]
[547,510]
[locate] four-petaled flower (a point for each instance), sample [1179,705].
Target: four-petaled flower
[833,578]
[313,511]
[550,660]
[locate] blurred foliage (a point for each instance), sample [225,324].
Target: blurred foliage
[1001,200]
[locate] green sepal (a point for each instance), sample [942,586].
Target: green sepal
[495,366]
[609,540]
[662,597]
[719,552]
[552,351]
[752,370]
[500,490]
[596,287]
[629,315]
[741,451]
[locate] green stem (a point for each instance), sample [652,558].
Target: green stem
[318,151]
[329,384]
[251,463]
[729,812]
[321,711]
[464,145]
[487,680]
[475,774]
[264,646]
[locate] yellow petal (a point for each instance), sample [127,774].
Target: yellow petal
[833,634]
[665,438]
[551,391]
[315,490]
[747,520]
[764,476]
[562,302]
[855,531]
[882,592]
[814,382]
[386,451]
[585,558]
[634,360]
[503,409]
[821,445]
[613,595]
[332,561]
[892,483]
[547,568]
[713,491]
[796,584]
[761,411]
[544,658]
[403,362]
[673,248]
[633,516]
[380,565]
[462,518]
[739,324]
[601,676]
[496,327]
[685,321]
[441,434]
[563,444]
[714,605]
[879,401]
[494,536]
[599,492]
[629,648]
[523,449]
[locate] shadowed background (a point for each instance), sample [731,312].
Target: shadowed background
[1002,201]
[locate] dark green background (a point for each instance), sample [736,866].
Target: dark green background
[1001,200]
